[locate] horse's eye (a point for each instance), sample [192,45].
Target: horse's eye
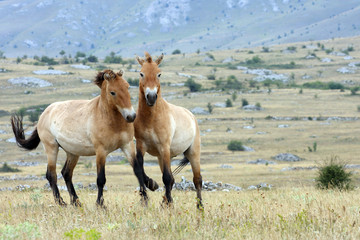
[159,75]
[141,75]
[113,93]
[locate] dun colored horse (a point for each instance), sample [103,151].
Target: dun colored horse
[163,130]
[84,128]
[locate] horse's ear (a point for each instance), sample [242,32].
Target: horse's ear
[120,73]
[158,61]
[140,60]
[148,57]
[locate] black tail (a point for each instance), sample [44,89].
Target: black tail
[29,144]
[181,165]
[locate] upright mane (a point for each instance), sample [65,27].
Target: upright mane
[101,76]
[148,57]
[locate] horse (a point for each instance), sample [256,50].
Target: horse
[84,128]
[164,130]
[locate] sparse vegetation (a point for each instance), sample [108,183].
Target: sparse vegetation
[323,85]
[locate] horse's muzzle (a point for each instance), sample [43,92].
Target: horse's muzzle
[130,118]
[151,99]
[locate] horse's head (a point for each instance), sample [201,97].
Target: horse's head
[150,74]
[116,92]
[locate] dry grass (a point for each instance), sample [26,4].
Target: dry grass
[287,213]
[293,209]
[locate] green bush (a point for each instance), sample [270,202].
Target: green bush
[228,103]
[333,175]
[192,85]
[323,85]
[235,145]
[244,102]
[353,90]
[176,51]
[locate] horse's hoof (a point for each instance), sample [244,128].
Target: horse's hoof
[100,203]
[76,203]
[152,185]
[61,202]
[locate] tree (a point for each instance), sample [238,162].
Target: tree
[192,85]
[62,52]
[176,51]
[92,58]
[210,107]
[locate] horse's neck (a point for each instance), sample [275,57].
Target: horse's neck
[146,111]
[106,111]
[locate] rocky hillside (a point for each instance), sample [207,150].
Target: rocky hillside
[45,27]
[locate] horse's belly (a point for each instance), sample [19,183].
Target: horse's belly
[75,146]
[73,138]
[180,144]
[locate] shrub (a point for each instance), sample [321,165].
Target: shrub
[7,168]
[228,103]
[234,96]
[210,107]
[176,51]
[92,58]
[244,102]
[235,145]
[323,85]
[254,60]
[333,175]
[192,85]
[211,77]
[354,90]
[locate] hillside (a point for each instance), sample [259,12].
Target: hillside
[45,27]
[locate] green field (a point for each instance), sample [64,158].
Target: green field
[315,124]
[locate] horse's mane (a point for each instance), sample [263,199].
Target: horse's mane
[148,57]
[100,77]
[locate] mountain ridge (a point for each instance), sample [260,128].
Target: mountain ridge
[45,27]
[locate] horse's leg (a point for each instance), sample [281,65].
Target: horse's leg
[67,172]
[193,155]
[52,149]
[101,180]
[138,167]
[168,179]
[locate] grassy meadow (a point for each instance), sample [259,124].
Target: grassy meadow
[315,124]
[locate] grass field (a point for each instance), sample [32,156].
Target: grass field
[293,118]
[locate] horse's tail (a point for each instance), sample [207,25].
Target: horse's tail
[17,126]
[181,165]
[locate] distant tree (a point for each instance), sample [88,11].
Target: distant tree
[62,52]
[244,102]
[18,60]
[176,51]
[80,55]
[112,58]
[92,58]
[192,85]
[234,96]
[228,103]
[2,54]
